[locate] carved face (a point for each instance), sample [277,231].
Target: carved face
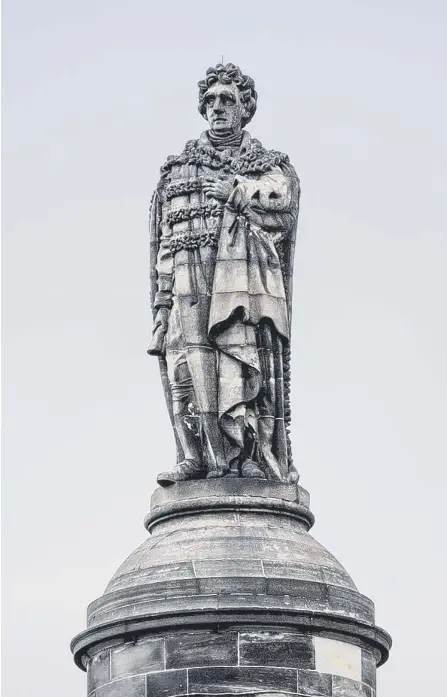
[224,109]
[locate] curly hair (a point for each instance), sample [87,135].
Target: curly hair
[226,74]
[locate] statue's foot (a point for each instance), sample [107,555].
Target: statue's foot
[251,469]
[183,471]
[232,473]
[217,473]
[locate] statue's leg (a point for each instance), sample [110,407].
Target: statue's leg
[185,421]
[182,400]
[202,363]
[193,281]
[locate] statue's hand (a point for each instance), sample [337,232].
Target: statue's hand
[217,188]
[157,344]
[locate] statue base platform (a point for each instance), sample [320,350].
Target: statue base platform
[230,594]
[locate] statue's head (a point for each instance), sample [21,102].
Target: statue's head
[227,98]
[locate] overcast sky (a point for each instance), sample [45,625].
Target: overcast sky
[96,93]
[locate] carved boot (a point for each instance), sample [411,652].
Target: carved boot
[250,468]
[191,467]
[183,471]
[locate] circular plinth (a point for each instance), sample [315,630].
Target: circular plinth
[230,578]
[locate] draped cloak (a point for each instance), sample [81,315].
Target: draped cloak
[250,304]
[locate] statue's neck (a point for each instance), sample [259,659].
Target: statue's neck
[226,140]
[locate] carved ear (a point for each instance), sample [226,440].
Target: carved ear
[247,113]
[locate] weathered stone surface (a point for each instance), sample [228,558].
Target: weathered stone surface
[338,658]
[137,657]
[344,687]
[312,683]
[201,649]
[315,594]
[243,504]
[125,687]
[218,680]
[285,570]
[276,649]
[350,603]
[248,584]
[205,488]
[237,561]
[136,571]
[257,544]
[223,568]
[368,668]
[98,671]
[167,684]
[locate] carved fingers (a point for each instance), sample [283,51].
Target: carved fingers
[158,341]
[161,319]
[217,188]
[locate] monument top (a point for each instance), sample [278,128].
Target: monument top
[229,593]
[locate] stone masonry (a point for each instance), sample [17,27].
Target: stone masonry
[229,595]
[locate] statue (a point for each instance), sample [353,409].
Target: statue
[223,226]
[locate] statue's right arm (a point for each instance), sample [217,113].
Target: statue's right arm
[165,281]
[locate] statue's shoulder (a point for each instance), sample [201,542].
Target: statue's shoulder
[258,160]
[187,155]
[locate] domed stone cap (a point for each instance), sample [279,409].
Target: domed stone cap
[231,551]
[214,540]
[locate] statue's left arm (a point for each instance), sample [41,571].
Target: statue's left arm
[271,201]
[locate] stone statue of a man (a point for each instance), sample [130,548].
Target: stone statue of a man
[223,225]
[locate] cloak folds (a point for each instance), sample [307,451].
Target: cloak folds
[249,316]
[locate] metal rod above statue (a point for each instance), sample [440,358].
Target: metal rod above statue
[223,226]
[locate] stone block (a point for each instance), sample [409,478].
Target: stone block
[228,567]
[368,668]
[234,584]
[241,679]
[127,687]
[165,572]
[344,687]
[308,591]
[201,649]
[148,574]
[167,684]
[302,572]
[338,658]
[281,649]
[312,683]
[172,588]
[98,670]
[140,657]
[351,603]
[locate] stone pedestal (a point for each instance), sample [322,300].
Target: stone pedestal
[230,594]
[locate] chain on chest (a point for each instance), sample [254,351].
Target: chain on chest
[193,217]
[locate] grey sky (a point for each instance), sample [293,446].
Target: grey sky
[96,94]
